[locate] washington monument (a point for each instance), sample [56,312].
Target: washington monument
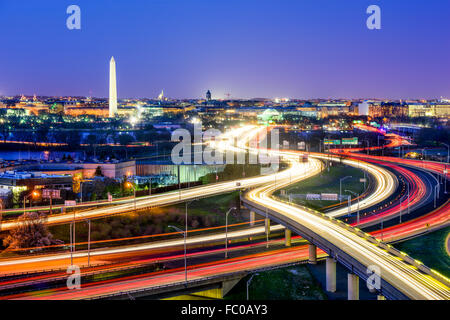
[112,88]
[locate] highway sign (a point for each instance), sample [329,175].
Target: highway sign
[350,141]
[331,141]
[51,193]
[70,203]
[312,196]
[329,196]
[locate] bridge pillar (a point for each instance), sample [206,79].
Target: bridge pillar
[352,286]
[252,218]
[331,274]
[312,253]
[267,225]
[381,297]
[287,237]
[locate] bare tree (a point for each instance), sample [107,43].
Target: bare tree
[30,232]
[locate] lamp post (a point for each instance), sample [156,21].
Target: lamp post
[1,213]
[445,182]
[267,228]
[409,210]
[340,185]
[249,281]
[32,194]
[226,231]
[349,203]
[130,185]
[185,260]
[356,195]
[368,145]
[89,241]
[150,187]
[423,158]
[448,151]
[186,221]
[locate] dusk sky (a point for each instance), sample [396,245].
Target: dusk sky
[248,48]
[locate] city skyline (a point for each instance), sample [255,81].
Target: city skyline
[268,51]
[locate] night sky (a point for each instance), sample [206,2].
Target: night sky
[248,48]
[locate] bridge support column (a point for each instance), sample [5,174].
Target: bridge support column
[331,274]
[252,218]
[312,253]
[353,286]
[287,237]
[381,297]
[267,225]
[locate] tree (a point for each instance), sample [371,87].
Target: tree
[98,172]
[30,232]
[125,139]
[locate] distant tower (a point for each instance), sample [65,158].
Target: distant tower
[161,96]
[112,88]
[208,95]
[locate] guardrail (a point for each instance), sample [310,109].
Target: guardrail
[390,249]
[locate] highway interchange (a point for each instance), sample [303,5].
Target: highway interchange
[407,278]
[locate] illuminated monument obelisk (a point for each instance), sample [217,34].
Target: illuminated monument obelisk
[112,88]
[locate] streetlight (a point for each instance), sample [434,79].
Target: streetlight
[349,204]
[186,216]
[250,280]
[448,151]
[357,195]
[1,212]
[33,194]
[409,210]
[89,241]
[445,182]
[368,145]
[185,260]
[267,227]
[128,184]
[340,185]
[81,188]
[226,231]
[423,157]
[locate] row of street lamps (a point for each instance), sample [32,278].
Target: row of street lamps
[184,234]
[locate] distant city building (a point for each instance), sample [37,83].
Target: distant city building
[161,96]
[419,110]
[208,95]
[441,110]
[112,88]
[387,110]
[20,181]
[363,108]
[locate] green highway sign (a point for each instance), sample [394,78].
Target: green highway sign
[353,140]
[331,141]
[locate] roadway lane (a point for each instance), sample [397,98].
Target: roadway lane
[129,284]
[409,280]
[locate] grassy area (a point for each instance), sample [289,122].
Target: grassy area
[430,249]
[327,182]
[208,212]
[293,283]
